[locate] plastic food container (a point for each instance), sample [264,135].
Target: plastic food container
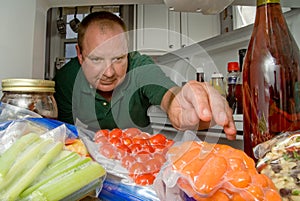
[33,94]
[279,159]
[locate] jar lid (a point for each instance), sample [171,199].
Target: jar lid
[28,85]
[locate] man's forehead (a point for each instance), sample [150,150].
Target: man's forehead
[109,44]
[109,51]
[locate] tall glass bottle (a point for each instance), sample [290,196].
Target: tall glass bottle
[271,78]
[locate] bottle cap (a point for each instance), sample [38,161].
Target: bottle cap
[233,66]
[217,75]
[200,70]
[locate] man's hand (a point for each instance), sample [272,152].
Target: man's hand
[197,105]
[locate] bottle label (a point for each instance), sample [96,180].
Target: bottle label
[232,80]
[262,2]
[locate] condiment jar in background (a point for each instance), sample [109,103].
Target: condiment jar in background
[33,94]
[217,81]
[200,74]
[233,74]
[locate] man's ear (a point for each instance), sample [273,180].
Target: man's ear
[79,54]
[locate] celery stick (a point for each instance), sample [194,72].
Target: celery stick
[10,155]
[26,179]
[61,164]
[69,183]
[24,161]
[65,154]
[54,175]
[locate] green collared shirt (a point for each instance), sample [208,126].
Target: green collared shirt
[145,85]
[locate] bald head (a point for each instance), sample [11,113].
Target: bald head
[105,21]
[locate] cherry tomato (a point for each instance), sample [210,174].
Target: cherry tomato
[127,161]
[102,132]
[158,139]
[148,148]
[159,147]
[126,141]
[145,179]
[101,140]
[153,165]
[161,158]
[123,147]
[144,135]
[140,141]
[143,156]
[135,148]
[116,132]
[136,169]
[115,141]
[108,151]
[132,132]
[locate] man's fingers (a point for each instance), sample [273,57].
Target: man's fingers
[198,99]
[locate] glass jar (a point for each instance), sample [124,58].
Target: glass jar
[218,83]
[33,94]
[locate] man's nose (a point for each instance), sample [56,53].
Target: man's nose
[109,70]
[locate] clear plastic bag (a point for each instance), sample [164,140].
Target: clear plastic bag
[196,170]
[119,184]
[279,159]
[14,129]
[11,131]
[130,154]
[11,112]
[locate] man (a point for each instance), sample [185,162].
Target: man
[107,87]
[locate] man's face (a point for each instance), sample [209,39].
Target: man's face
[104,57]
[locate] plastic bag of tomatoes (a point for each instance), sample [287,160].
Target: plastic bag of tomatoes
[129,153]
[197,170]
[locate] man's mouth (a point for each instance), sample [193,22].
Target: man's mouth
[107,82]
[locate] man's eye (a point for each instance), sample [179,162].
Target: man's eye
[118,59]
[96,60]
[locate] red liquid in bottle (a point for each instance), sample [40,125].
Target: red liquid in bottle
[271,78]
[239,98]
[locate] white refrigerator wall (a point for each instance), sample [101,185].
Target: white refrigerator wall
[22,38]
[214,54]
[222,57]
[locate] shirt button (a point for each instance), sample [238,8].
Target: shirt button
[104,103]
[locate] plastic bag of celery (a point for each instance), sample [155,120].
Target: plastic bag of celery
[14,129]
[37,166]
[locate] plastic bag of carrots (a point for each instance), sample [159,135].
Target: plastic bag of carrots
[197,170]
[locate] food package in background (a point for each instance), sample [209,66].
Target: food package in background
[279,159]
[130,154]
[76,145]
[197,170]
